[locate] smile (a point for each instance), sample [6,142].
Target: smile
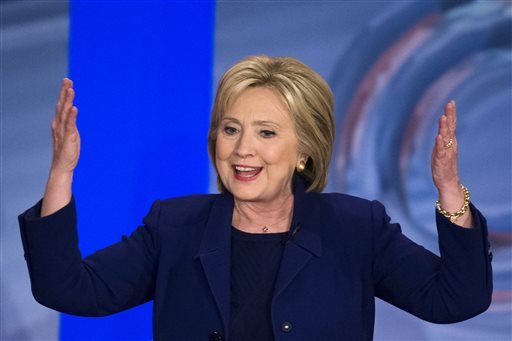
[246,173]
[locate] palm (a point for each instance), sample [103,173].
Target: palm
[65,135]
[444,154]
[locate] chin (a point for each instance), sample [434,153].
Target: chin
[246,195]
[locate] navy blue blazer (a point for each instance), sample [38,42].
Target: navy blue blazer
[343,253]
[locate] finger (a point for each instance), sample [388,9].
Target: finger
[447,154]
[443,128]
[448,142]
[62,94]
[66,83]
[444,162]
[439,148]
[441,159]
[451,114]
[68,104]
[75,134]
[54,130]
[71,121]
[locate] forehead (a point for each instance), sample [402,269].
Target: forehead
[259,103]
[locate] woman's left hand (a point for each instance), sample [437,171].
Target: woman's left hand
[445,167]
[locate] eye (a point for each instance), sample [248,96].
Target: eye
[267,133]
[230,130]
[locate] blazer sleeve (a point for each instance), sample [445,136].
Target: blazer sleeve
[110,280]
[446,289]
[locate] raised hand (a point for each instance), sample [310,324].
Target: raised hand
[445,165]
[66,151]
[65,136]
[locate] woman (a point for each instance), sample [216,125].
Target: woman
[270,257]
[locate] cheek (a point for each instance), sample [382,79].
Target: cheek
[222,156]
[285,157]
[221,150]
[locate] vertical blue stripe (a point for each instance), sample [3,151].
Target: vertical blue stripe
[143,77]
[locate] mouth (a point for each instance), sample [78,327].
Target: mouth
[246,173]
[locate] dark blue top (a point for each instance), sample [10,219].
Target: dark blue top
[255,260]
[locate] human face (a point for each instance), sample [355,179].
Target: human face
[257,147]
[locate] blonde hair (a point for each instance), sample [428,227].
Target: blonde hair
[306,95]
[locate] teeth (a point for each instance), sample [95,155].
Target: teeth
[245,169]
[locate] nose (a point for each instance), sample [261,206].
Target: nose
[245,145]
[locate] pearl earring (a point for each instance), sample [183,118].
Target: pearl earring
[301,166]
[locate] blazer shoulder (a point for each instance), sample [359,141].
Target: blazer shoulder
[185,209]
[344,198]
[346,205]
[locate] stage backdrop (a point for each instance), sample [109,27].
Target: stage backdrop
[144,74]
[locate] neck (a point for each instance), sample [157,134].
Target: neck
[257,217]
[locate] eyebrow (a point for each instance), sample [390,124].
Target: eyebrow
[257,123]
[266,123]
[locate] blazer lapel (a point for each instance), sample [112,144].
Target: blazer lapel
[215,252]
[215,249]
[303,244]
[296,255]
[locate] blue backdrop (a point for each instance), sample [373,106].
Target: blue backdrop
[143,75]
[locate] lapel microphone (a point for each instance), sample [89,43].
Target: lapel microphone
[292,233]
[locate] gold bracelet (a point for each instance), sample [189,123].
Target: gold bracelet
[454,216]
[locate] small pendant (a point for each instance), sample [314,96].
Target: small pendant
[265,229]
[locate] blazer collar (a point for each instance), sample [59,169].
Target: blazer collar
[217,234]
[304,243]
[215,249]
[302,232]
[215,252]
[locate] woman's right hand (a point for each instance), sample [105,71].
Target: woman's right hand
[66,151]
[65,136]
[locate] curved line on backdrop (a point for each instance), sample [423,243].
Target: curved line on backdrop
[404,66]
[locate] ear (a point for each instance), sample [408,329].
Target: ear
[303,158]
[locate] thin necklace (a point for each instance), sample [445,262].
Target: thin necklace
[266,227]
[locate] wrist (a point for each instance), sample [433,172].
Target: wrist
[57,193]
[451,197]
[454,206]
[60,177]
